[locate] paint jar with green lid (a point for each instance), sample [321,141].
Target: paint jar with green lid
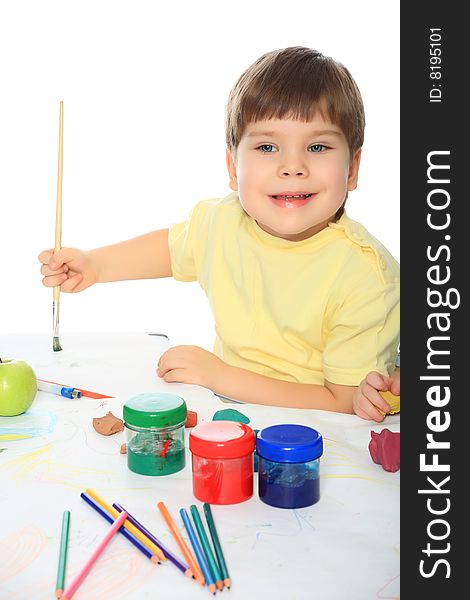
[154,424]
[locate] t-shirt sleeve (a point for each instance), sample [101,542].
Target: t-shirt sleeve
[362,329]
[184,242]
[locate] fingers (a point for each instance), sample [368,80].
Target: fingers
[377,381]
[173,358]
[168,370]
[168,361]
[362,413]
[375,399]
[45,256]
[395,385]
[366,410]
[175,376]
[73,283]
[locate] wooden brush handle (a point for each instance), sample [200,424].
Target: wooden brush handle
[58,206]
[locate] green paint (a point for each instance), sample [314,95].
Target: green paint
[142,457]
[230,414]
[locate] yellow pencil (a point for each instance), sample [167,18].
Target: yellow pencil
[154,549]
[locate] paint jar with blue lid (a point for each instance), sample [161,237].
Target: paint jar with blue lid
[154,424]
[289,465]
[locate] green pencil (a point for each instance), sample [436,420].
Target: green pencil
[207,548]
[217,546]
[64,539]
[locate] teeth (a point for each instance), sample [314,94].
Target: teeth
[289,197]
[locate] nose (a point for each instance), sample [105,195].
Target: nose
[293,167]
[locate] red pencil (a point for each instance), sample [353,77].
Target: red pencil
[84,392]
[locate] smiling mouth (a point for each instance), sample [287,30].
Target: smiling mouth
[291,197]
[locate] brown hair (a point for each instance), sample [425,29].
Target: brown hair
[296,83]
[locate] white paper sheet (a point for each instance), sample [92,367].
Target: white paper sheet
[346,547]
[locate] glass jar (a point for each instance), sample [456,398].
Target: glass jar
[222,461]
[154,425]
[289,465]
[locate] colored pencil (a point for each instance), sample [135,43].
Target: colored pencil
[64,540]
[217,547]
[58,232]
[198,551]
[170,556]
[131,528]
[138,544]
[197,573]
[70,591]
[210,558]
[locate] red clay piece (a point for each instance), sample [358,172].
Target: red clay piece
[384,448]
[191,419]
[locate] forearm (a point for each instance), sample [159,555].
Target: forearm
[143,257]
[244,385]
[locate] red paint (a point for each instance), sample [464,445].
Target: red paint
[166,445]
[222,458]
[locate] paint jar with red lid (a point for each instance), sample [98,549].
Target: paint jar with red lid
[222,459]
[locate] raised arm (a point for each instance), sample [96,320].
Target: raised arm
[143,257]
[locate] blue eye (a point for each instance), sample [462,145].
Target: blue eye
[317,148]
[267,148]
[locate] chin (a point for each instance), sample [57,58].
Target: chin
[288,233]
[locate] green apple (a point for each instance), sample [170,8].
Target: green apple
[18,387]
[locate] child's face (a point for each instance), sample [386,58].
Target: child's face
[293,176]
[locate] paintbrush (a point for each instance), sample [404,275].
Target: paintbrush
[58,231]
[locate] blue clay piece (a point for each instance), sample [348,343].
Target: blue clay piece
[230,414]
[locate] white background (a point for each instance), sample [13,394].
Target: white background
[144,84]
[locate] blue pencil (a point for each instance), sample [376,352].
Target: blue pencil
[198,551]
[138,544]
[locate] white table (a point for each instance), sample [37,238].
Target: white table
[346,547]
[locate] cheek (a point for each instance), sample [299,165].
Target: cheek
[338,176]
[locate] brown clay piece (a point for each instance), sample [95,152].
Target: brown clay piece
[108,424]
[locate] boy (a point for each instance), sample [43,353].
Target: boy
[305,300]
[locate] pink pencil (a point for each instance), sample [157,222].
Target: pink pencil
[70,591]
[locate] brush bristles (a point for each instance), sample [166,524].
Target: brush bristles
[56,344]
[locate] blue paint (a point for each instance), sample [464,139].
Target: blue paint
[289,485]
[289,465]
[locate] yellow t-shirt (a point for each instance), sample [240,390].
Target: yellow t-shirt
[323,308]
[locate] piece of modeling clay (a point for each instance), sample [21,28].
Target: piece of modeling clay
[108,424]
[230,414]
[123,448]
[393,401]
[384,448]
[191,418]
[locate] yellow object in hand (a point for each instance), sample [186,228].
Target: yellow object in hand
[393,401]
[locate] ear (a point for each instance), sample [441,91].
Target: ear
[354,170]
[232,171]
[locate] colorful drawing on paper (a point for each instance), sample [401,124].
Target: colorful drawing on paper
[32,423]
